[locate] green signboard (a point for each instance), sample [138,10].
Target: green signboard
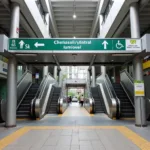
[57,45]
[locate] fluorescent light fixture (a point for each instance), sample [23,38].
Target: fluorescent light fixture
[122,54]
[32,55]
[74,16]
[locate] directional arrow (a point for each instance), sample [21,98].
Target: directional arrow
[39,44]
[105,43]
[21,44]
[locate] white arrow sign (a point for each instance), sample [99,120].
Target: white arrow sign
[39,44]
[105,43]
[21,44]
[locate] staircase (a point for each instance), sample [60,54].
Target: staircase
[54,101]
[127,109]
[24,108]
[99,104]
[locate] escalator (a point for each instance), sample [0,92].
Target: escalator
[53,102]
[126,107]
[98,99]
[24,108]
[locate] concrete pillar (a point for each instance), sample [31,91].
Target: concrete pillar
[140,112]
[55,72]
[15,20]
[45,71]
[103,70]
[93,77]
[11,93]
[12,70]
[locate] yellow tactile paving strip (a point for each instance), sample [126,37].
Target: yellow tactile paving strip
[135,138]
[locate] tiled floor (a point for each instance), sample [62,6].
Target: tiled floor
[72,139]
[75,130]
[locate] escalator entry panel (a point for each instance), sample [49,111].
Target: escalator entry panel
[99,103]
[24,108]
[127,110]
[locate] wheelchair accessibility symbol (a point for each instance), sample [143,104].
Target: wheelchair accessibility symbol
[119,45]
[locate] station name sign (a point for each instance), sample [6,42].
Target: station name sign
[74,45]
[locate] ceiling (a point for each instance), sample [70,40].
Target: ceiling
[81,27]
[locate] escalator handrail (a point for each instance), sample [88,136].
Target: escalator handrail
[61,100]
[44,105]
[91,99]
[110,87]
[24,74]
[113,95]
[40,103]
[35,97]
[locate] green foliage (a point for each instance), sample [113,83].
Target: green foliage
[71,94]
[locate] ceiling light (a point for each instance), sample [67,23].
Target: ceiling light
[122,54]
[74,16]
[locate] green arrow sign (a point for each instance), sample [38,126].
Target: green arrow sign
[58,45]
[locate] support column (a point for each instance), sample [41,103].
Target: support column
[103,70]
[140,112]
[93,77]
[15,20]
[11,93]
[12,70]
[45,71]
[55,72]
